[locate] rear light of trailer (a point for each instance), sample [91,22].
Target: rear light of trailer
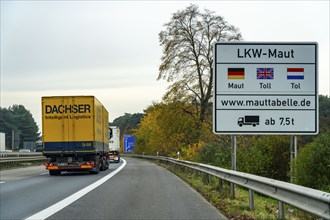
[51,166]
[87,165]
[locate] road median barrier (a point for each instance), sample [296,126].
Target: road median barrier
[14,161]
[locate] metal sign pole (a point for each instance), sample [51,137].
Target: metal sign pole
[295,146]
[233,164]
[291,158]
[12,140]
[295,153]
[233,152]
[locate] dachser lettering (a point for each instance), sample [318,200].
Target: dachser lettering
[64,109]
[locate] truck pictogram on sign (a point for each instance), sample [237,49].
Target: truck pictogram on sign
[248,120]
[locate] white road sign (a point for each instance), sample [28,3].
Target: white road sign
[265,88]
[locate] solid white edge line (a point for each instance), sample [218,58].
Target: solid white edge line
[67,201]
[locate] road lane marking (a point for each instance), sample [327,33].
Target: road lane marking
[67,201]
[2,182]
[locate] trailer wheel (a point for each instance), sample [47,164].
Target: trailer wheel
[54,172]
[96,169]
[103,165]
[107,164]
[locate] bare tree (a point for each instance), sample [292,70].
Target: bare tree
[187,58]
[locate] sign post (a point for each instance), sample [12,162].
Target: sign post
[265,88]
[233,164]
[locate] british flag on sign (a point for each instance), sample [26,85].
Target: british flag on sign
[265,73]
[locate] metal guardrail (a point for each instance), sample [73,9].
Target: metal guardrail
[27,158]
[18,159]
[310,200]
[19,154]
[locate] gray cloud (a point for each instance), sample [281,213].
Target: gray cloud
[104,47]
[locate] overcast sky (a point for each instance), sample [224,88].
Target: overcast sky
[110,49]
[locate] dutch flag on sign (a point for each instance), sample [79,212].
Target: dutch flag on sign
[295,73]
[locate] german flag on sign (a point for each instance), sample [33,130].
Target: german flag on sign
[235,73]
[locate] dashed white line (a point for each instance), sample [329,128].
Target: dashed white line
[67,201]
[2,182]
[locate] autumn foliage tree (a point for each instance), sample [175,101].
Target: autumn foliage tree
[187,58]
[166,129]
[182,121]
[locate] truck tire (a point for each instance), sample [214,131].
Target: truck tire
[107,164]
[96,169]
[103,165]
[54,172]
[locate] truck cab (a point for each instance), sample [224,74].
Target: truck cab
[114,156]
[114,144]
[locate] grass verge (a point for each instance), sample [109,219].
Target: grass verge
[238,208]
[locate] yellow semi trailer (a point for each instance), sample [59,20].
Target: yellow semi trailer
[75,134]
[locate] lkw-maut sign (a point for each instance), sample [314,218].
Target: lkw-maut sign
[265,88]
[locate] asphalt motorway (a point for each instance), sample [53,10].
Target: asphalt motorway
[141,190]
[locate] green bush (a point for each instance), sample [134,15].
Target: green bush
[269,156]
[217,154]
[312,165]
